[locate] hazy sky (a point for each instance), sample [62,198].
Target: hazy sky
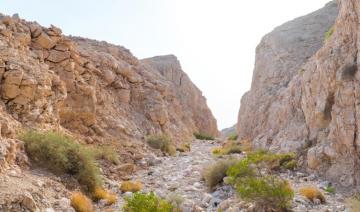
[214,40]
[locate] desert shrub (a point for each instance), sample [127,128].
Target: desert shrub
[81,203]
[162,142]
[63,155]
[329,33]
[354,203]
[202,136]
[104,152]
[233,137]
[132,186]
[100,193]
[312,193]
[271,160]
[228,148]
[140,202]
[240,170]
[183,147]
[215,173]
[217,150]
[291,165]
[266,192]
[232,150]
[330,189]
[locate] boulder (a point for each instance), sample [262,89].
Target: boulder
[44,41]
[56,56]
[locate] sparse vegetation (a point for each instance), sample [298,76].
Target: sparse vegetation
[132,186]
[81,203]
[233,137]
[354,203]
[216,150]
[162,142]
[268,192]
[140,202]
[215,173]
[330,189]
[202,136]
[312,194]
[63,155]
[183,147]
[329,33]
[230,147]
[272,161]
[104,152]
[100,193]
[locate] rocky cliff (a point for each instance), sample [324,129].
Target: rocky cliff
[94,90]
[304,94]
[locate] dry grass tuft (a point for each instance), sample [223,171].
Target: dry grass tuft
[100,193]
[312,193]
[215,173]
[81,203]
[132,186]
[162,142]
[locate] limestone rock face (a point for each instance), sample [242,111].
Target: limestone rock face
[304,95]
[94,90]
[188,95]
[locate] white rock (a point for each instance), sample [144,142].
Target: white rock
[64,203]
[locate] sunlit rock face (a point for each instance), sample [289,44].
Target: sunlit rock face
[304,94]
[188,95]
[94,90]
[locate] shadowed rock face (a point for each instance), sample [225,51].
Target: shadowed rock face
[95,90]
[304,95]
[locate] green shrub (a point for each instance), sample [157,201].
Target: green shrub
[271,160]
[233,137]
[269,193]
[104,152]
[330,189]
[140,202]
[202,136]
[215,173]
[162,142]
[329,33]
[63,155]
[240,170]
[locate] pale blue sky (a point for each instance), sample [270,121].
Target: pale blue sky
[214,40]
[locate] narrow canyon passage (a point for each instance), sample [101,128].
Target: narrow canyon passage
[180,176]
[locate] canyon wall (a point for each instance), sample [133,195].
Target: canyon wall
[95,91]
[305,92]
